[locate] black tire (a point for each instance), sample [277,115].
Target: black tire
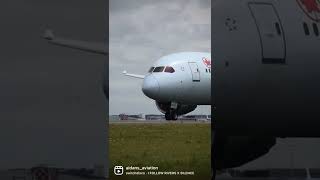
[167,116]
[173,115]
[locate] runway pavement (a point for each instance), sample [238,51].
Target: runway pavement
[158,122]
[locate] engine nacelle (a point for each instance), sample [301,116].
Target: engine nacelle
[181,110]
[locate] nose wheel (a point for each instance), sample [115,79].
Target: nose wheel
[171,115]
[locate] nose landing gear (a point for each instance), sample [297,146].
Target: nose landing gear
[173,109]
[172,113]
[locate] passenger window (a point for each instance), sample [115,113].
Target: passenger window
[315,29]
[158,69]
[169,69]
[206,70]
[306,29]
[151,69]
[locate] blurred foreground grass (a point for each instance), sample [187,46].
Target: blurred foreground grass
[171,147]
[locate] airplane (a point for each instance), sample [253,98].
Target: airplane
[265,55]
[178,83]
[266,76]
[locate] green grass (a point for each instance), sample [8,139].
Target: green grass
[171,147]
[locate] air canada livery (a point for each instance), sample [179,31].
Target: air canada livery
[178,83]
[266,59]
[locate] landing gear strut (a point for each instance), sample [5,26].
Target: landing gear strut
[171,115]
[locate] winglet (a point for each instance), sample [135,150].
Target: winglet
[98,48]
[133,75]
[48,34]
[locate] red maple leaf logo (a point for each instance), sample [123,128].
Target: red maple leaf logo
[311,5]
[207,62]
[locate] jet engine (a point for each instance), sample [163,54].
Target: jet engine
[234,151]
[172,114]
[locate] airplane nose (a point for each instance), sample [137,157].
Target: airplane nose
[150,87]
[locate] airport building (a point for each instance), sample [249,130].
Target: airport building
[156,117]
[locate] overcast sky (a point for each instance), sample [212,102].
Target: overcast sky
[142,31]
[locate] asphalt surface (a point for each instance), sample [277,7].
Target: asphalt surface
[158,122]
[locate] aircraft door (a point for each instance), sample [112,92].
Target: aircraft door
[195,71]
[271,33]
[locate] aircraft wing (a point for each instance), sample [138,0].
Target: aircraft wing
[133,75]
[99,48]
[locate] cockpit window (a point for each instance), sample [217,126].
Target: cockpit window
[151,69]
[169,69]
[158,69]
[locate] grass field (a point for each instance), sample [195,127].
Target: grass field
[170,147]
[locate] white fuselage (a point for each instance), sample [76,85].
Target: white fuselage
[184,78]
[266,67]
